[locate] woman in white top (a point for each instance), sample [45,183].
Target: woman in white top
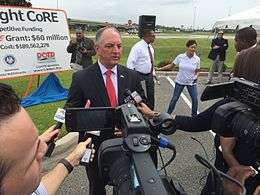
[189,65]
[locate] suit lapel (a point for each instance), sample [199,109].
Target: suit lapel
[98,81]
[121,86]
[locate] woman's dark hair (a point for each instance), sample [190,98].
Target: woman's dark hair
[9,105]
[191,42]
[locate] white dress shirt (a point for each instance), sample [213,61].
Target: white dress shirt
[41,190]
[139,58]
[114,80]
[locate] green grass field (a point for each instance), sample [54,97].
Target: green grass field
[165,49]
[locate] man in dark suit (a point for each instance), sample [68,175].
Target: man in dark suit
[217,54]
[103,84]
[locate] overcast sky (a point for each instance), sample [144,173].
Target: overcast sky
[202,13]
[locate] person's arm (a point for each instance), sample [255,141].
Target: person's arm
[257,191]
[197,71]
[52,180]
[225,46]
[131,60]
[145,110]
[240,173]
[213,44]
[228,144]
[171,65]
[167,67]
[90,51]
[71,47]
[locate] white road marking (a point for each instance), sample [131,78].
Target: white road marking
[186,100]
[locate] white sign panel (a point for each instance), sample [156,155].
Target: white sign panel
[32,41]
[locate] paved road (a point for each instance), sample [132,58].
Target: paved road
[188,171]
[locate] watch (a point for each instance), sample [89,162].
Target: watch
[66,164]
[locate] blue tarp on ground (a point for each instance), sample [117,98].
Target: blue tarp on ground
[50,90]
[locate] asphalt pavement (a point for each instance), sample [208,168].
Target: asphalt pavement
[185,168]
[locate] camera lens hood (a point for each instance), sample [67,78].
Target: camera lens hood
[163,123]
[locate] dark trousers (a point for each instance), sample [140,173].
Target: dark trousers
[96,184]
[149,84]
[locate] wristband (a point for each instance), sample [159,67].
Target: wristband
[66,164]
[155,114]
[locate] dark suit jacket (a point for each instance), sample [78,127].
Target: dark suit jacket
[86,59]
[89,84]
[223,43]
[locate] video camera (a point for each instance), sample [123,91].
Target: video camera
[238,118]
[125,163]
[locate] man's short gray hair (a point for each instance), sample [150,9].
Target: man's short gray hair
[100,32]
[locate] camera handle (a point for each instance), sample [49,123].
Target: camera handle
[147,174]
[144,168]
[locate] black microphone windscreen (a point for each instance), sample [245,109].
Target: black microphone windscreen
[127,92]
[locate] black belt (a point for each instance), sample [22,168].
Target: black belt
[144,74]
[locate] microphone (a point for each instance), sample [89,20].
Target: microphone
[132,97]
[60,118]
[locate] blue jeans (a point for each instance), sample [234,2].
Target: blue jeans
[192,89]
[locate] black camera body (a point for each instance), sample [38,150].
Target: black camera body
[124,163]
[240,117]
[81,49]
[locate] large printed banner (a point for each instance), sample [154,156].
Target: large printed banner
[32,41]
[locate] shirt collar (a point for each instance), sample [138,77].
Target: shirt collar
[145,42]
[104,69]
[188,56]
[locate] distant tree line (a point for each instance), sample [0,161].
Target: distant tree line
[20,3]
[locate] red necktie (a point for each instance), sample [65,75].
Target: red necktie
[151,58]
[110,89]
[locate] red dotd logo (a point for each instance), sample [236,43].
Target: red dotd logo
[46,56]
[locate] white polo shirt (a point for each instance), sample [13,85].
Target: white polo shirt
[139,58]
[187,67]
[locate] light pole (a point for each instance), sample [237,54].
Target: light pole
[57,4]
[194,17]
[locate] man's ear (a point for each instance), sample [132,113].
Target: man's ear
[96,48]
